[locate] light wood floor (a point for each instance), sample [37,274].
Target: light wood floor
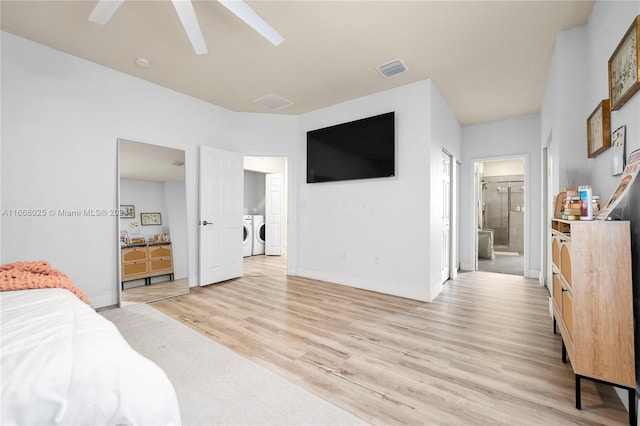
[482,353]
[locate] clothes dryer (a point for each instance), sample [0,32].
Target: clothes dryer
[259,230]
[247,235]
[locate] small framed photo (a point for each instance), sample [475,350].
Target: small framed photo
[624,67]
[598,129]
[617,146]
[150,219]
[127,211]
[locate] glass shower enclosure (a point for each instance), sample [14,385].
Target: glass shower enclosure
[503,211]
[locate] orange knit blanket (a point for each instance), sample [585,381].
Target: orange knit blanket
[31,275]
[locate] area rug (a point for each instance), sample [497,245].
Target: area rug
[214,385]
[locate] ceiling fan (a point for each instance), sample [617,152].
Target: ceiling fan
[105,9]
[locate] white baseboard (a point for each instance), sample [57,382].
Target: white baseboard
[532,273]
[466,266]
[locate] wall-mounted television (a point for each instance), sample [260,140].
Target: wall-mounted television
[360,149]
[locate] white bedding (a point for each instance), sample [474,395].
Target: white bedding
[62,363]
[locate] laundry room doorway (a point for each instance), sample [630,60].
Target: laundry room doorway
[265,211]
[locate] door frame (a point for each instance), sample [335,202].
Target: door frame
[549,189]
[288,191]
[476,206]
[450,208]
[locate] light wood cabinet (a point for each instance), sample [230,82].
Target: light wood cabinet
[144,262]
[593,301]
[160,260]
[134,263]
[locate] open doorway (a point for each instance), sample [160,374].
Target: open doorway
[265,215]
[501,213]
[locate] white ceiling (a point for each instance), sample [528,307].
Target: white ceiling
[489,59]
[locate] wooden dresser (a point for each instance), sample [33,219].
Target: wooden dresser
[144,262]
[593,302]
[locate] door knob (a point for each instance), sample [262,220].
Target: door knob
[204,222]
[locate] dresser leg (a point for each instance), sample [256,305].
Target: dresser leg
[564,353]
[578,401]
[633,401]
[555,330]
[633,398]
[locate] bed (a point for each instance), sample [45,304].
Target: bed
[63,363]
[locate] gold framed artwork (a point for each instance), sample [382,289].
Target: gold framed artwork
[150,219]
[624,67]
[598,129]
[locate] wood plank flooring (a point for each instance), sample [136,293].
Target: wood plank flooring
[482,353]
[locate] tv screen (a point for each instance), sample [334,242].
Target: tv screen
[360,149]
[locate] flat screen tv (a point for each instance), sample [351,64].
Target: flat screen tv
[360,149]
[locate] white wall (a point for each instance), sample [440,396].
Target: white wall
[175,205]
[607,24]
[343,227]
[578,81]
[147,197]
[565,109]
[276,136]
[513,137]
[61,119]
[446,133]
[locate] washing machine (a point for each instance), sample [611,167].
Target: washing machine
[247,235]
[259,229]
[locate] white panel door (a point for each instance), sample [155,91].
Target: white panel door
[273,214]
[446,217]
[220,226]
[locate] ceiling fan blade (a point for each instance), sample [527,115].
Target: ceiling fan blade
[104,10]
[244,12]
[189,20]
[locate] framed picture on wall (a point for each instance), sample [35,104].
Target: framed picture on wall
[624,67]
[127,211]
[598,129]
[617,146]
[150,219]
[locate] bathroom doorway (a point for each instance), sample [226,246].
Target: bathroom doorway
[501,216]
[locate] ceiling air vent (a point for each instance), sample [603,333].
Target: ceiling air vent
[274,101]
[392,68]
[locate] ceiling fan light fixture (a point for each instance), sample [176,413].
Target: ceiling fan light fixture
[273,101]
[189,20]
[251,18]
[104,10]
